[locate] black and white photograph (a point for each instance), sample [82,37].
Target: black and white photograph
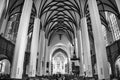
[59,39]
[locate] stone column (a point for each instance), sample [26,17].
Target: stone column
[2,7]
[69,58]
[80,51]
[76,46]
[46,55]
[34,48]
[44,59]
[21,41]
[70,66]
[86,47]
[76,50]
[100,49]
[3,16]
[4,25]
[76,42]
[118,4]
[41,53]
[50,67]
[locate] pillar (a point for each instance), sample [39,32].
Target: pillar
[2,7]
[80,51]
[21,41]
[70,66]
[46,55]
[4,25]
[76,50]
[76,46]
[75,42]
[44,58]
[100,49]
[118,4]
[3,17]
[34,48]
[69,58]
[86,48]
[50,67]
[41,53]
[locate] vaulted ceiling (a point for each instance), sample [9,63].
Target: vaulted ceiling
[63,16]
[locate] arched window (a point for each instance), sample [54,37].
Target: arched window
[113,25]
[12,28]
[105,35]
[4,66]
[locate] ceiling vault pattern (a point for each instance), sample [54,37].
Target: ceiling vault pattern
[63,15]
[60,15]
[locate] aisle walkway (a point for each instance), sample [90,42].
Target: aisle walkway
[61,77]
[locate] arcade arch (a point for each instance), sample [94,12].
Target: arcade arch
[61,46]
[60,54]
[59,61]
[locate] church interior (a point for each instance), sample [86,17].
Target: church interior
[60,39]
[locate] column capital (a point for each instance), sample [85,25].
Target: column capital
[36,17]
[83,17]
[42,31]
[79,29]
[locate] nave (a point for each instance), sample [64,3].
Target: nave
[56,39]
[52,77]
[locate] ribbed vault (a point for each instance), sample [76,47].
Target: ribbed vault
[60,16]
[63,15]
